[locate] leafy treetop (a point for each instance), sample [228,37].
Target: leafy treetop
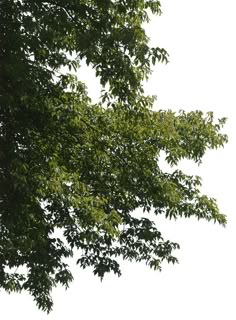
[68,164]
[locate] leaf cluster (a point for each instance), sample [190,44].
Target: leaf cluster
[72,172]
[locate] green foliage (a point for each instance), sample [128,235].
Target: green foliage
[74,168]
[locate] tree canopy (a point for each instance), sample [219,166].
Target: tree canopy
[72,172]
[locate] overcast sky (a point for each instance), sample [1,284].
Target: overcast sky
[200,38]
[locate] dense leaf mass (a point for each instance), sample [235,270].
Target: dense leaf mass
[71,171]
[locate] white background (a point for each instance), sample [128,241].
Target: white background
[200,38]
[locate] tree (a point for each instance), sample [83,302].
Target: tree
[72,172]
